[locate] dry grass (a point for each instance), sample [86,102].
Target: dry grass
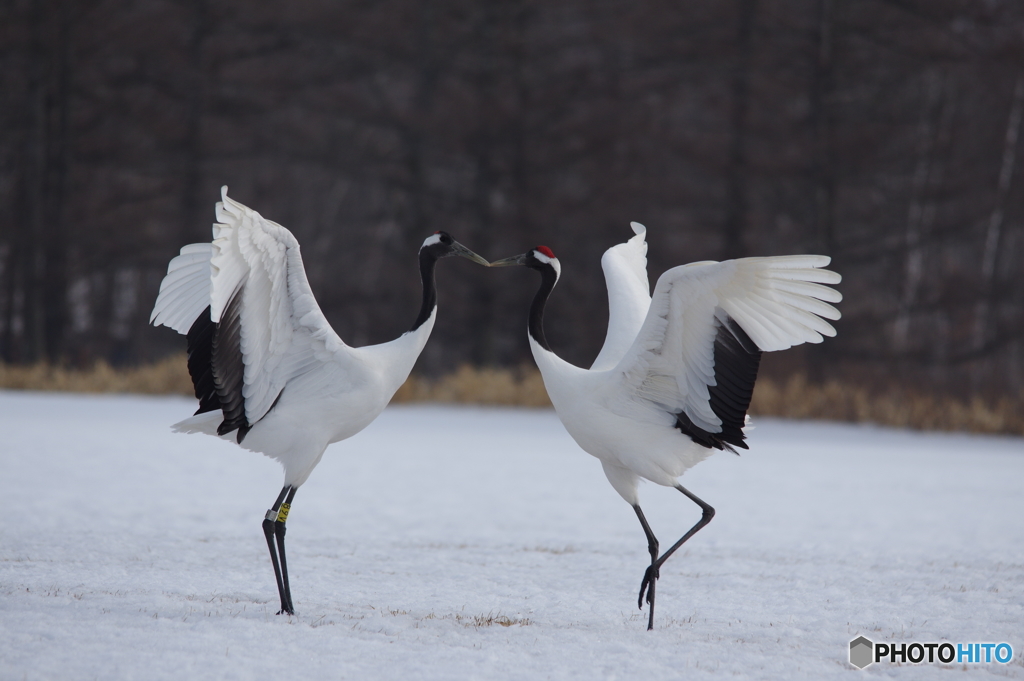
[477,621]
[521,387]
[793,398]
[904,408]
[166,377]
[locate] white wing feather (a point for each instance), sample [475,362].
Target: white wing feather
[283,331]
[629,296]
[778,301]
[185,291]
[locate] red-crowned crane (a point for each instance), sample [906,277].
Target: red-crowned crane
[674,378]
[268,369]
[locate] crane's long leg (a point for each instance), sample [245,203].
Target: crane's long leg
[652,574]
[279,529]
[270,523]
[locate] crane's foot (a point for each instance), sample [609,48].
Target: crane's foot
[647,586]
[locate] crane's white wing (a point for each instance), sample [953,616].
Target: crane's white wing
[629,296]
[270,328]
[185,291]
[696,355]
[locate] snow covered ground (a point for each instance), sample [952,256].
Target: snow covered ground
[128,552]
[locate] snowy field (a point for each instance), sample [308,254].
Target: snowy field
[447,542]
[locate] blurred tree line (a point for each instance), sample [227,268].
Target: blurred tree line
[884,133]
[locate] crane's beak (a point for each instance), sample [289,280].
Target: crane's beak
[459,249]
[509,262]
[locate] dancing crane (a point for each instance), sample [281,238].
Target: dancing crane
[674,378]
[269,371]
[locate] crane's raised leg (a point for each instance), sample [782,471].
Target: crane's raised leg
[273,526]
[653,572]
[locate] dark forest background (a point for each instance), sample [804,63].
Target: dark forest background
[884,133]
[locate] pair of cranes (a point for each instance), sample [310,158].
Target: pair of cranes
[671,384]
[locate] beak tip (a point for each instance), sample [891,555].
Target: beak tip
[508,262]
[459,249]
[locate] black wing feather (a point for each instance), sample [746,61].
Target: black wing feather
[737,358]
[200,362]
[216,367]
[229,368]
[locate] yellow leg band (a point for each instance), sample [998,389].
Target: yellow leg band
[283,514]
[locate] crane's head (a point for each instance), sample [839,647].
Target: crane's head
[539,258]
[441,245]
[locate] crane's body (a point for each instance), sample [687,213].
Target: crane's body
[582,400]
[311,414]
[269,371]
[674,379]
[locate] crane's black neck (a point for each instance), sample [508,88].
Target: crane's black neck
[548,279]
[427,262]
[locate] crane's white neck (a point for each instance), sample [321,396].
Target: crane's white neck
[395,359]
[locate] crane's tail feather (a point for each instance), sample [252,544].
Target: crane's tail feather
[205,423]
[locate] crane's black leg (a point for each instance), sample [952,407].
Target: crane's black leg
[651,576]
[269,530]
[652,573]
[279,529]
